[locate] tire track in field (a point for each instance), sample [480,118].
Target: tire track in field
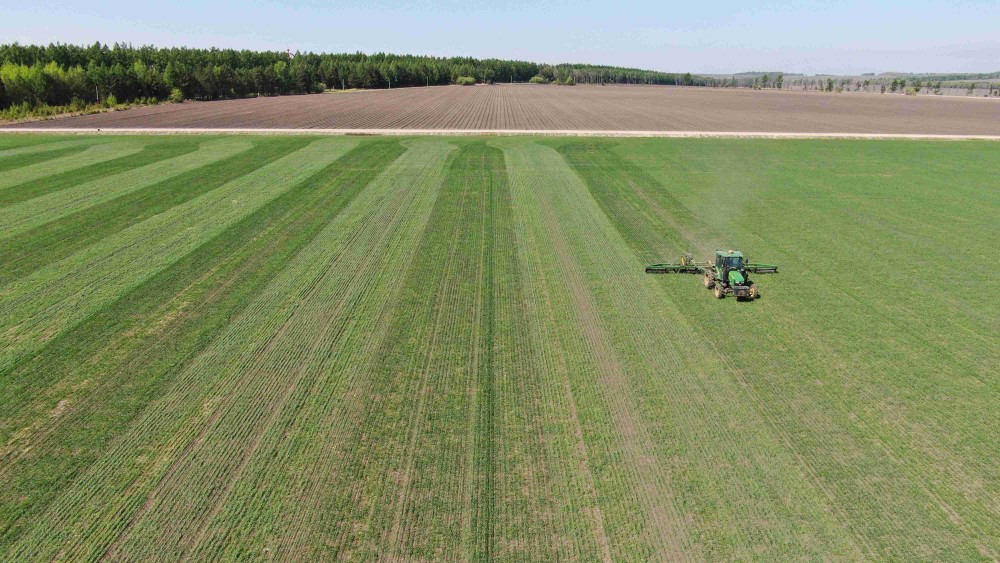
[483,409]
[457,366]
[358,340]
[396,538]
[700,413]
[547,310]
[586,463]
[274,408]
[679,232]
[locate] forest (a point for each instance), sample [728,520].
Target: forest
[61,75]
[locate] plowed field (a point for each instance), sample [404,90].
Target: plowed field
[322,348]
[592,108]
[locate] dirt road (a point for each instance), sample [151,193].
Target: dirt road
[502,132]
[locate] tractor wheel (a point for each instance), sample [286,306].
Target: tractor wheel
[709,282]
[719,292]
[754,294]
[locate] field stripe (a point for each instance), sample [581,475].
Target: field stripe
[486,167]
[544,500]
[333,523]
[704,416]
[904,452]
[656,227]
[31,158]
[57,239]
[281,343]
[569,461]
[897,427]
[417,419]
[41,145]
[86,281]
[158,150]
[26,215]
[285,513]
[797,411]
[537,179]
[169,319]
[99,153]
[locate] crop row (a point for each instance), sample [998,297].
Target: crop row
[422,349]
[95,154]
[353,305]
[77,286]
[832,366]
[534,107]
[25,215]
[57,239]
[32,155]
[105,371]
[283,309]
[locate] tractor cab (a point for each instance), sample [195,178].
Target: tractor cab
[731,275]
[727,260]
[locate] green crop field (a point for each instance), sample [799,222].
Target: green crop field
[416,348]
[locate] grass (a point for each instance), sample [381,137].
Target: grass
[310,348]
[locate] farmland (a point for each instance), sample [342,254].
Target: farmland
[310,347]
[521,107]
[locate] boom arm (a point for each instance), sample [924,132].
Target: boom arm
[676,268]
[689,266]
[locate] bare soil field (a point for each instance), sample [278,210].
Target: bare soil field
[553,108]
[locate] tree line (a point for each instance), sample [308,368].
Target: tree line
[61,75]
[892,85]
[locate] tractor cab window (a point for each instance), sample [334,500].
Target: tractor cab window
[734,262]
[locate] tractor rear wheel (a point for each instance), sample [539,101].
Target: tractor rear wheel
[709,282]
[719,293]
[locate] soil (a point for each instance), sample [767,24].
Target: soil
[545,108]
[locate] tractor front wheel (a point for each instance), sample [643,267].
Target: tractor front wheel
[719,292]
[709,282]
[754,294]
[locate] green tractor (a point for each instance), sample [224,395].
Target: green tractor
[730,274]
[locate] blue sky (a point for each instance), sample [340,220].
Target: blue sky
[719,36]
